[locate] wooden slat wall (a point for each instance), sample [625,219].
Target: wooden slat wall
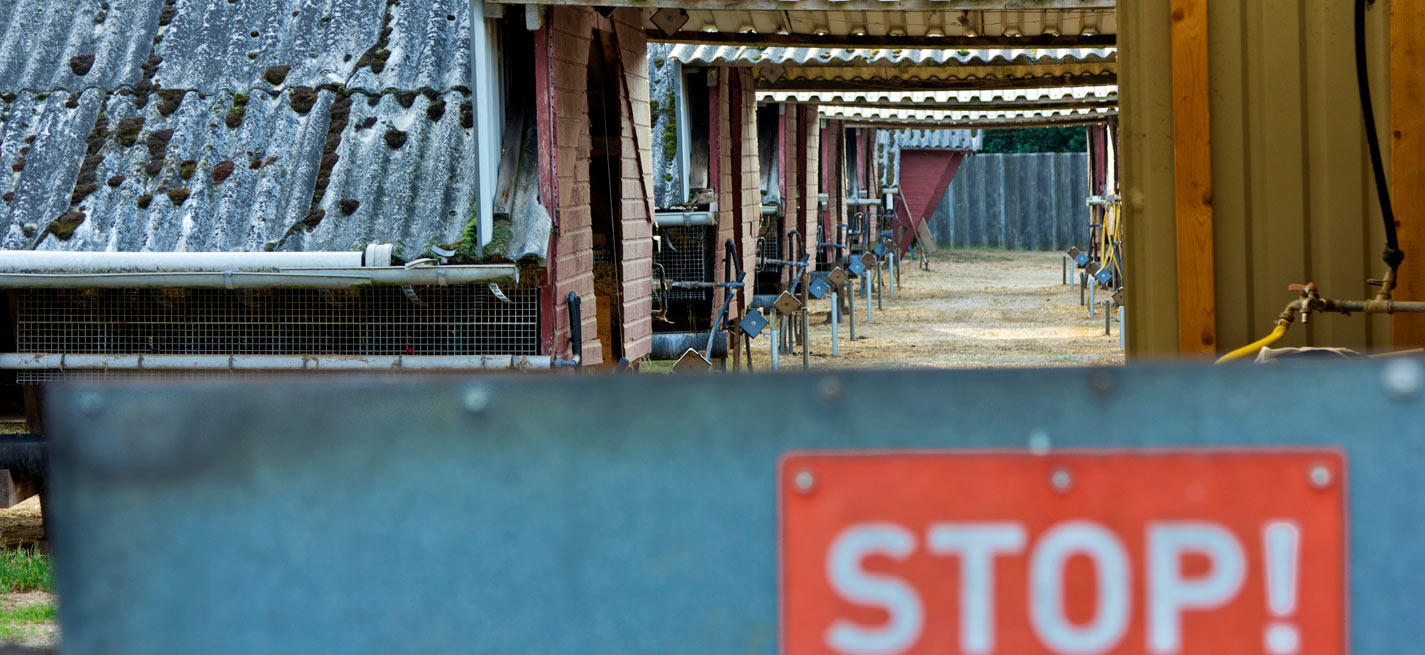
[1292,201]
[1407,28]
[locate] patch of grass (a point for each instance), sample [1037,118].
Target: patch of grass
[25,622]
[25,569]
[656,367]
[36,613]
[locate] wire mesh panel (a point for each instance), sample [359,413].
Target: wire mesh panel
[770,240]
[454,320]
[685,257]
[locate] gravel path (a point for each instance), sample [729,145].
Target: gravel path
[973,309]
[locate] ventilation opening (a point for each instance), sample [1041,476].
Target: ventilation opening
[456,320]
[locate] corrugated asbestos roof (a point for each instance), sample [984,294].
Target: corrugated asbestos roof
[930,139]
[48,45]
[895,23]
[884,116]
[843,57]
[909,69]
[972,99]
[197,124]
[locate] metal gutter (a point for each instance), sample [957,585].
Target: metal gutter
[145,362]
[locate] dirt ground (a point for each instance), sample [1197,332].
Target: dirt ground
[972,309]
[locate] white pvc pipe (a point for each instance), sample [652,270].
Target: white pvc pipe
[140,362]
[700,218]
[301,278]
[835,325]
[40,261]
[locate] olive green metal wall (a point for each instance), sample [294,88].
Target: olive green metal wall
[1292,196]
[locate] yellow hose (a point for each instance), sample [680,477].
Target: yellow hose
[1246,351]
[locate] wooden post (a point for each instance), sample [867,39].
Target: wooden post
[1407,123]
[1192,159]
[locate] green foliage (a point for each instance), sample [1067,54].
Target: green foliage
[1044,139]
[25,569]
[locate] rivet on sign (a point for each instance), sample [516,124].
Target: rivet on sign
[1039,442]
[1320,476]
[477,399]
[830,389]
[1101,382]
[804,481]
[1061,480]
[89,403]
[1403,378]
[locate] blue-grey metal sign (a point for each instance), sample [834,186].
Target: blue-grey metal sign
[629,514]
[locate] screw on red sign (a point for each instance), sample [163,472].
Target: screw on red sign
[978,554]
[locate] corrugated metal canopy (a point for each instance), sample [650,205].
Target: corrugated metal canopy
[909,69]
[891,117]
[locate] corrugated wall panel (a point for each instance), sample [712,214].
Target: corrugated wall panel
[1015,202]
[1292,196]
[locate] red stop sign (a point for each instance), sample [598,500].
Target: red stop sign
[1165,554]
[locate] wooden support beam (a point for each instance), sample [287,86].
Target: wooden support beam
[1407,129]
[1192,161]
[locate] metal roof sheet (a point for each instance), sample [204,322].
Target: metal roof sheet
[48,45]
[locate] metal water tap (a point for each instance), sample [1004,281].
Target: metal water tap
[1310,300]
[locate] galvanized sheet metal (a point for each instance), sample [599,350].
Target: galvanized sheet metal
[493,509]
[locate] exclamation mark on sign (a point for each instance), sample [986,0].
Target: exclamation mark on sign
[1281,541]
